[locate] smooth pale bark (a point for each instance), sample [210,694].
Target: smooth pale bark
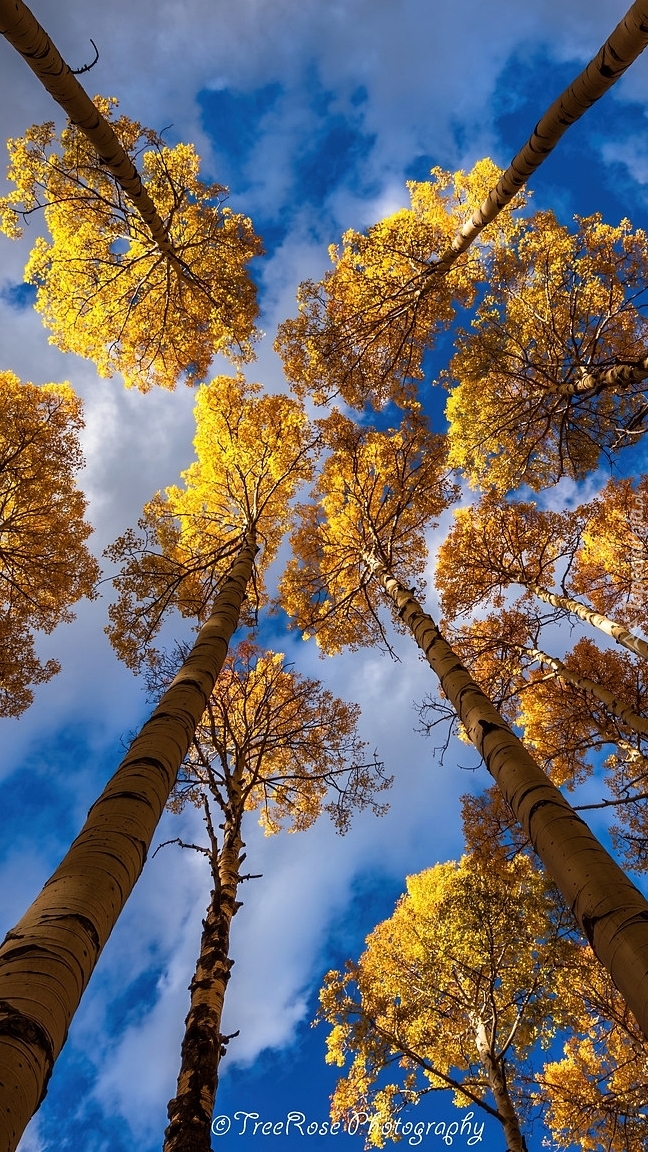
[617,707]
[190,1111]
[616,378]
[626,43]
[612,913]
[515,1141]
[46,961]
[597,619]
[22,30]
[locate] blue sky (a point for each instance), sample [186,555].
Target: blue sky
[315,116]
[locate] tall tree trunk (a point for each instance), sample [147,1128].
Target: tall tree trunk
[617,707]
[611,911]
[628,41]
[190,1111]
[22,30]
[597,619]
[48,958]
[493,1066]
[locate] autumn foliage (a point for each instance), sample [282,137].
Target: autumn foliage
[376,494]
[104,288]
[463,989]
[584,714]
[278,743]
[534,392]
[612,564]
[480,967]
[253,451]
[44,563]
[454,991]
[363,330]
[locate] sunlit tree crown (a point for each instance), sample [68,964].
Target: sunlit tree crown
[104,288]
[253,452]
[530,399]
[363,330]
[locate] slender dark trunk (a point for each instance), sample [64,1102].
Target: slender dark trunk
[190,1111]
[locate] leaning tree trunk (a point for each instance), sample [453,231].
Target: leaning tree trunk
[597,619]
[611,911]
[628,41]
[190,1111]
[615,706]
[22,30]
[494,1069]
[46,961]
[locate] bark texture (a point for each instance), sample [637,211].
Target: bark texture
[597,619]
[22,30]
[616,378]
[617,707]
[46,961]
[626,43]
[494,1068]
[612,913]
[190,1111]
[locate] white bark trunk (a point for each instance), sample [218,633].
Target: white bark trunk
[616,378]
[22,30]
[515,1141]
[47,960]
[609,908]
[597,619]
[626,42]
[617,707]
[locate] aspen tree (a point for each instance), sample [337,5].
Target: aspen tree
[598,620]
[24,33]
[619,51]
[596,1093]
[104,288]
[611,566]
[45,565]
[573,710]
[362,330]
[455,991]
[587,708]
[501,648]
[552,374]
[346,556]
[494,545]
[569,728]
[47,959]
[277,743]
[615,706]
[252,454]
